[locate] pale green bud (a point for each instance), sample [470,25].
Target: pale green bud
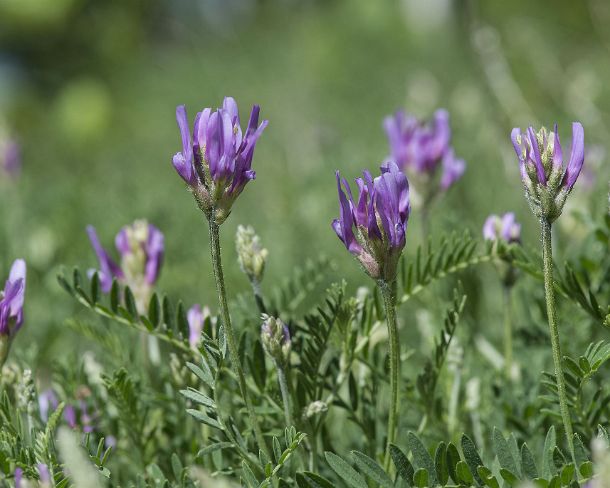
[275,337]
[251,254]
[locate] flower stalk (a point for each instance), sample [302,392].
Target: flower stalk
[230,334]
[387,291]
[547,261]
[508,331]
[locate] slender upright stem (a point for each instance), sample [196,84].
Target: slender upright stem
[425,223]
[508,332]
[230,335]
[387,290]
[281,377]
[547,259]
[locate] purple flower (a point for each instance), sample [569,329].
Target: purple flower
[18,477]
[453,169]
[216,160]
[374,228]
[44,474]
[196,317]
[10,158]
[423,148]
[504,228]
[11,301]
[141,247]
[546,179]
[47,401]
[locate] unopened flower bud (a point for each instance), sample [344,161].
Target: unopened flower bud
[275,337]
[251,254]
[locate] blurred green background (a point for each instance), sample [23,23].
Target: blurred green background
[89,88]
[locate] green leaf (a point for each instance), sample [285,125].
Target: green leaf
[176,466]
[548,467]
[580,453]
[213,448]
[257,365]
[487,476]
[371,469]
[503,452]
[345,471]
[472,457]
[404,468]
[95,288]
[248,475]
[528,463]
[198,397]
[440,463]
[130,303]
[312,480]
[586,469]
[421,457]
[420,478]
[567,473]
[277,449]
[453,458]
[204,373]
[464,474]
[114,296]
[509,477]
[154,310]
[202,417]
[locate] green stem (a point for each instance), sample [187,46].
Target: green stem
[508,332]
[230,334]
[547,259]
[387,290]
[281,377]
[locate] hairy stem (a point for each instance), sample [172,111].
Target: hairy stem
[508,332]
[387,290]
[230,334]
[547,259]
[281,377]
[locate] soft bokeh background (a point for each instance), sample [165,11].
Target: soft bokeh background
[89,88]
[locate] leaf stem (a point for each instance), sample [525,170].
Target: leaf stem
[230,334]
[547,261]
[387,290]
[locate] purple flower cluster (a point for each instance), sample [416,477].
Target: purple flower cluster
[374,228]
[76,416]
[275,337]
[216,162]
[422,149]
[141,247]
[546,179]
[196,317]
[505,228]
[11,305]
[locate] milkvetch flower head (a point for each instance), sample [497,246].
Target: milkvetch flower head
[11,306]
[546,179]
[373,228]
[141,249]
[504,228]
[216,160]
[422,149]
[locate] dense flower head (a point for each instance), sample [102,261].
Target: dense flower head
[11,301]
[275,338]
[373,228]
[546,179]
[216,160]
[141,248]
[504,228]
[422,148]
[196,317]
